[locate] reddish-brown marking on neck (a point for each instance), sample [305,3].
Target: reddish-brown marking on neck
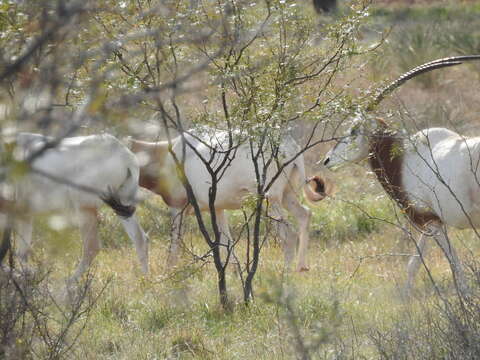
[147,181]
[152,183]
[386,160]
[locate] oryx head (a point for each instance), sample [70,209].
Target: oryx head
[354,145]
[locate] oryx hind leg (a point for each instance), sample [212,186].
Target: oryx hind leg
[88,223]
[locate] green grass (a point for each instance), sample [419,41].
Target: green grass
[352,288]
[351,291]
[356,267]
[421,33]
[433,12]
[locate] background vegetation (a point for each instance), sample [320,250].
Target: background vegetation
[349,304]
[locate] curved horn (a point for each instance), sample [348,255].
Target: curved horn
[421,69]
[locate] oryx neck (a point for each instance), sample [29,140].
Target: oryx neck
[386,160]
[152,156]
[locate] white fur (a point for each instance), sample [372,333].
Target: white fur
[238,182]
[98,162]
[440,173]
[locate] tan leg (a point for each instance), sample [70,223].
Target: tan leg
[451,255]
[139,239]
[287,237]
[302,214]
[226,240]
[176,237]
[414,263]
[91,245]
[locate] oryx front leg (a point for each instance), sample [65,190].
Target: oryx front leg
[414,263]
[139,239]
[176,236]
[91,245]
[287,237]
[451,255]
[226,241]
[302,214]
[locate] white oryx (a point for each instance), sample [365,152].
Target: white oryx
[433,175]
[237,180]
[78,175]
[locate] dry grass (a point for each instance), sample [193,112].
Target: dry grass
[351,289]
[356,263]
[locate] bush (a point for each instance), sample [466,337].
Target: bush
[33,324]
[439,328]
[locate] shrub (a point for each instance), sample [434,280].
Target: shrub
[440,327]
[33,323]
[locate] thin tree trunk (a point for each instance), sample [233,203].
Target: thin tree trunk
[248,288]
[6,242]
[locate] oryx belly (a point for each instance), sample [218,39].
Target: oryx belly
[237,178]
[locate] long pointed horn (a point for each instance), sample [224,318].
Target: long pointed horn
[421,69]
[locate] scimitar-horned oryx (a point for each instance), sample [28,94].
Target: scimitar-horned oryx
[158,173]
[432,176]
[77,175]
